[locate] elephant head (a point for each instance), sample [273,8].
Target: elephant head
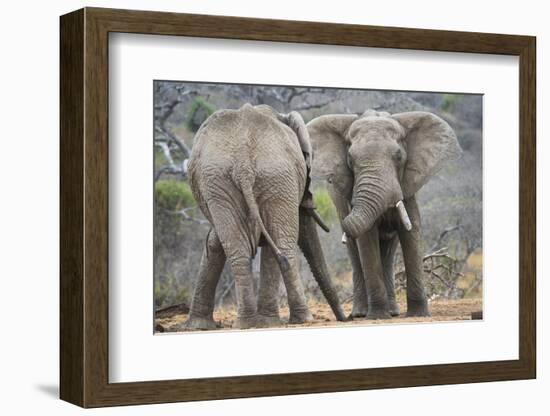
[376,160]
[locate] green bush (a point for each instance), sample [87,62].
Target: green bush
[199,110]
[449,102]
[324,205]
[159,158]
[173,195]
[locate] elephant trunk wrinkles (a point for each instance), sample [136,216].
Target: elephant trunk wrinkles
[369,203]
[309,243]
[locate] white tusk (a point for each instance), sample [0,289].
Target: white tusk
[344,238]
[403,215]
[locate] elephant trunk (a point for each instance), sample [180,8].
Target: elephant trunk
[369,202]
[310,245]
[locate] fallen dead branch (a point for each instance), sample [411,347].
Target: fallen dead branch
[169,311]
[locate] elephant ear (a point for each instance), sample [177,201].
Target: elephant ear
[295,121]
[266,110]
[329,140]
[430,142]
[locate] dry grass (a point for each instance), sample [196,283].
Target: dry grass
[442,310]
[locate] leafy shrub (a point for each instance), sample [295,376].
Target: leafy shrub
[199,110]
[450,101]
[324,205]
[173,195]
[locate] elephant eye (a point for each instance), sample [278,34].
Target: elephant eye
[349,161]
[398,156]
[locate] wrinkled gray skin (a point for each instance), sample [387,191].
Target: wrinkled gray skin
[371,162]
[249,173]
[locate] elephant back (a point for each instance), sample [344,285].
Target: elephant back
[255,137]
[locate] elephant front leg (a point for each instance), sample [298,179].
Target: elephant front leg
[360,304]
[211,267]
[268,292]
[411,242]
[369,245]
[360,298]
[387,250]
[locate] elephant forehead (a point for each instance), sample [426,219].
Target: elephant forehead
[377,126]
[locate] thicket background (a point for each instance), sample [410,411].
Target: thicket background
[451,203]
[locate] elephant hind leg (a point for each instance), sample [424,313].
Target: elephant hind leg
[299,310]
[282,224]
[268,292]
[232,231]
[210,269]
[247,317]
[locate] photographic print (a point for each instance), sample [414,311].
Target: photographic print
[306,206]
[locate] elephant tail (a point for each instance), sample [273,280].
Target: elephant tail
[248,194]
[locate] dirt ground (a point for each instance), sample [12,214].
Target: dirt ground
[442,310]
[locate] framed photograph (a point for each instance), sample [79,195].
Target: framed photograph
[255,207]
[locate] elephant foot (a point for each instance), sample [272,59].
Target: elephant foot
[269,320]
[199,322]
[418,309]
[378,313]
[247,322]
[394,308]
[358,311]
[356,315]
[300,317]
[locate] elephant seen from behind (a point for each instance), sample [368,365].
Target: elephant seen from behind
[249,172]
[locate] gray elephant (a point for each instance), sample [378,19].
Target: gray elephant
[249,172]
[374,165]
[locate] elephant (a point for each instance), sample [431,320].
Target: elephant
[374,165]
[249,173]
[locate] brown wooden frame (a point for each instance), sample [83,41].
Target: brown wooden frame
[84,207]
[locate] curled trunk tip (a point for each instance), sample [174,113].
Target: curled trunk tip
[356,223]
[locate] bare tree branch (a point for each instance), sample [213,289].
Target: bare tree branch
[443,234]
[172,139]
[167,109]
[185,216]
[307,106]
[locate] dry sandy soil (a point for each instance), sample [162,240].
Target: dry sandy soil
[442,310]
